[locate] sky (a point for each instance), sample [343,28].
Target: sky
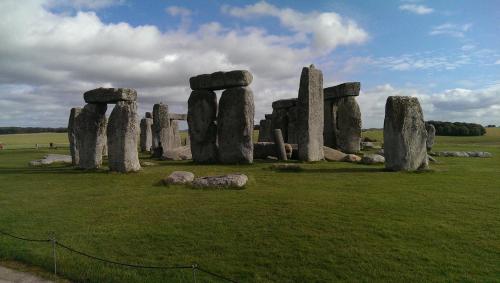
[446,53]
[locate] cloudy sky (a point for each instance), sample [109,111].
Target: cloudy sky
[447,53]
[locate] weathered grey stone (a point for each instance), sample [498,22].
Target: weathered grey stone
[292,125]
[179,177]
[342,90]
[310,115]
[268,116]
[288,150]
[342,124]
[175,136]
[265,130]
[367,145]
[105,142]
[161,130]
[280,145]
[279,120]
[202,115]
[179,153]
[284,103]
[261,150]
[333,154]
[123,129]
[352,158]
[405,136]
[91,135]
[110,95]
[348,125]
[221,80]
[52,158]
[146,139]
[235,125]
[431,134]
[73,144]
[226,181]
[148,115]
[175,116]
[480,154]
[372,159]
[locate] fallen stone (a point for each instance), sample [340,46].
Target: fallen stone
[123,134]
[479,154]
[148,164]
[235,126]
[342,90]
[405,137]
[225,181]
[288,150]
[202,115]
[372,159]
[310,115]
[110,95]
[179,153]
[262,150]
[380,152]
[333,154]
[221,80]
[179,177]
[367,145]
[352,158]
[50,159]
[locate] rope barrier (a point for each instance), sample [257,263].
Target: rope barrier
[54,243]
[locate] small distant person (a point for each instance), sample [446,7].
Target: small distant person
[51,145]
[1,146]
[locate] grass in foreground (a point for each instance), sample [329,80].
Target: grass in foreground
[328,222]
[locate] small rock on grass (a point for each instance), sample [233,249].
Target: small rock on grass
[372,159]
[352,158]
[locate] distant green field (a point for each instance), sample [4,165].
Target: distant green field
[330,222]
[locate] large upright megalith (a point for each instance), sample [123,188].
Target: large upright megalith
[201,118]
[91,135]
[123,129]
[342,116]
[265,130]
[405,136]
[72,129]
[310,115]
[146,139]
[161,130]
[235,125]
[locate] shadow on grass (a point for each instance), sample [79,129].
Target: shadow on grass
[338,170]
[68,169]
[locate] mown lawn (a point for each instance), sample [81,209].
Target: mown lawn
[329,222]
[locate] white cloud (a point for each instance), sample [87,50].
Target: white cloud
[416,9]
[48,60]
[328,29]
[497,62]
[458,104]
[450,29]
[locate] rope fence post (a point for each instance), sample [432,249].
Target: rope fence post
[54,254]
[194,267]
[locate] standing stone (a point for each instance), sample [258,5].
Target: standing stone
[347,130]
[342,117]
[280,120]
[280,144]
[73,144]
[202,115]
[161,129]
[235,125]
[265,129]
[431,134]
[175,136]
[91,135]
[292,125]
[146,139]
[123,128]
[310,115]
[149,115]
[405,136]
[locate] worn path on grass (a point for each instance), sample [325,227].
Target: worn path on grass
[8,275]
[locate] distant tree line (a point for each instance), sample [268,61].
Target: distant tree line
[30,130]
[457,129]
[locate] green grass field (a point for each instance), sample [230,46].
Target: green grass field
[329,222]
